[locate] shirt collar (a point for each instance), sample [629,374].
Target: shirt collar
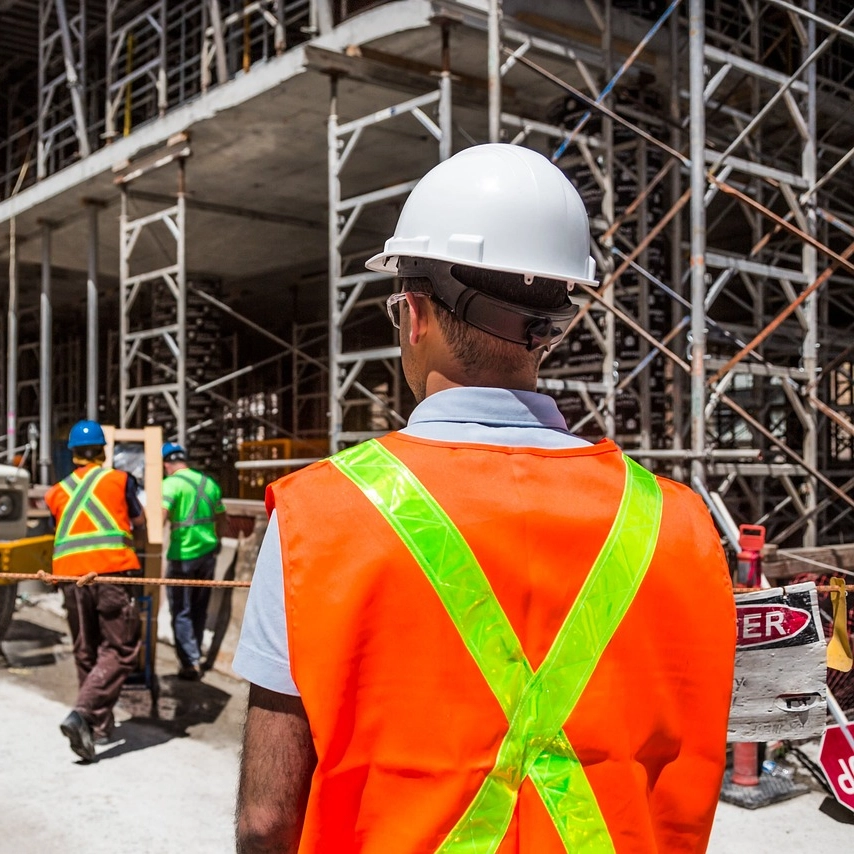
[499,407]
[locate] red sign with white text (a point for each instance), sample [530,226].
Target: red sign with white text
[836,757]
[759,625]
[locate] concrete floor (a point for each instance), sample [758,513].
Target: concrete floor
[168,785]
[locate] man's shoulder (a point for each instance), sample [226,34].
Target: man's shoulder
[680,493]
[182,479]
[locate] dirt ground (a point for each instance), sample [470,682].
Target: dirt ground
[167,783]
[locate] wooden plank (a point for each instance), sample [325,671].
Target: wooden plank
[782,567]
[780,681]
[151,440]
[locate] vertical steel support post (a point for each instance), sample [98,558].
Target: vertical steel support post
[92,317]
[12,346]
[45,362]
[109,110]
[445,113]
[41,147]
[162,94]
[124,274]
[75,85]
[494,70]
[336,411]
[644,380]
[181,258]
[678,380]
[219,43]
[810,269]
[321,17]
[696,44]
[609,360]
[279,44]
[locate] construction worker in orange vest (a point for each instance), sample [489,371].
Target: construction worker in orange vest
[100,527]
[482,633]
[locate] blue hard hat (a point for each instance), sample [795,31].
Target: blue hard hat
[172,451]
[85,433]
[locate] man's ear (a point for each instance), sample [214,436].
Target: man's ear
[419,317]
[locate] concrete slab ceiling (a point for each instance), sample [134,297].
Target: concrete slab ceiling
[257,179]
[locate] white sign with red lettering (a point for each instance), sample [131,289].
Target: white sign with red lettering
[779,686]
[760,625]
[836,758]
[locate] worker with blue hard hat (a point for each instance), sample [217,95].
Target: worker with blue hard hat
[100,528]
[172,451]
[86,433]
[192,505]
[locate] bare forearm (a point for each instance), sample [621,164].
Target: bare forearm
[277,762]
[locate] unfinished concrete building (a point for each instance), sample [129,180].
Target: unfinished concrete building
[189,189]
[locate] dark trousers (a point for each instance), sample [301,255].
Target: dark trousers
[105,625]
[189,606]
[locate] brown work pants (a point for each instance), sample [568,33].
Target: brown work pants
[105,626]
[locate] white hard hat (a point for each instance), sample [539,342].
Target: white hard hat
[498,207]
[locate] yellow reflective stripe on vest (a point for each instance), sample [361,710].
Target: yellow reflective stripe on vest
[107,534]
[536,705]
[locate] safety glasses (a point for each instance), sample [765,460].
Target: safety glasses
[392,305]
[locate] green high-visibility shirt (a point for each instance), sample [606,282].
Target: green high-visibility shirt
[192,500]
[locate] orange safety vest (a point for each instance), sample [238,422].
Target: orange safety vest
[93,529]
[406,724]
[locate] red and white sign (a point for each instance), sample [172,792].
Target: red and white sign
[763,624]
[837,761]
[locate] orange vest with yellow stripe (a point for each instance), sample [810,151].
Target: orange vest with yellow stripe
[407,718]
[93,529]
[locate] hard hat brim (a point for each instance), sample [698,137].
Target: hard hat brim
[386,262]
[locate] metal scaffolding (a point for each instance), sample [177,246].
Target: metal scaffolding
[732,174]
[364,408]
[62,125]
[143,374]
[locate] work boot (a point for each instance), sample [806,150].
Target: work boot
[104,736]
[190,672]
[78,733]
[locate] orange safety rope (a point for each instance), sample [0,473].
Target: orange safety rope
[95,578]
[820,588]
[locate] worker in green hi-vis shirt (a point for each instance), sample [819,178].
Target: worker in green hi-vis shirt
[192,505]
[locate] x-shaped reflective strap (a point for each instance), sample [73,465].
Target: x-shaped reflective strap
[199,496]
[537,705]
[84,501]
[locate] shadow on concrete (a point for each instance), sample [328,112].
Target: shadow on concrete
[176,706]
[30,645]
[832,808]
[131,735]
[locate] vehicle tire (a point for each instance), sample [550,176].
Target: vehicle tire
[8,593]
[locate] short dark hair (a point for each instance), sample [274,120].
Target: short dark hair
[474,348]
[88,452]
